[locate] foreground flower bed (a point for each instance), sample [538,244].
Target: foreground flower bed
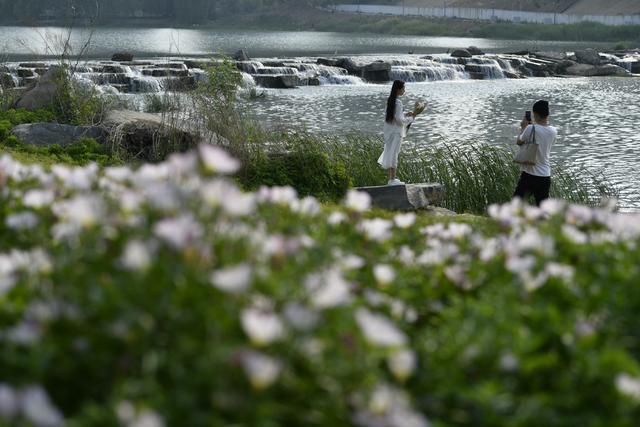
[165,296]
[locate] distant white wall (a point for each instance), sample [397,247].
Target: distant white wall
[488,14]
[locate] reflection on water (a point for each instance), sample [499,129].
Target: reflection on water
[22,42]
[596,117]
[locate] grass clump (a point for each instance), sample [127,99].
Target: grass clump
[81,152]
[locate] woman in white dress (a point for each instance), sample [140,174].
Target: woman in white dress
[395,129]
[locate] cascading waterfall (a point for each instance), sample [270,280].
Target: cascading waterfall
[247,81]
[277,71]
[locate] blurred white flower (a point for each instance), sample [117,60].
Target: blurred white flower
[553,206]
[181,164]
[628,386]
[517,264]
[22,221]
[579,215]
[384,274]
[239,204]
[358,201]
[38,198]
[402,363]
[125,411]
[300,317]
[458,231]
[261,370]
[509,362]
[262,326]
[350,262]
[217,160]
[278,195]
[377,229]
[38,409]
[389,407]
[574,235]
[532,240]
[136,256]
[328,289]
[378,330]
[457,274]
[235,279]
[381,399]
[336,218]
[179,232]
[118,174]
[560,271]
[25,333]
[405,220]
[585,328]
[149,173]
[9,401]
[406,255]
[76,178]
[82,210]
[147,418]
[307,206]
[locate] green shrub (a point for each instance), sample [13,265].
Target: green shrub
[165,296]
[310,173]
[5,129]
[20,116]
[81,152]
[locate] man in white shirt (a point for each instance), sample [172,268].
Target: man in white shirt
[536,179]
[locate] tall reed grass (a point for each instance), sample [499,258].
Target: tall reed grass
[474,175]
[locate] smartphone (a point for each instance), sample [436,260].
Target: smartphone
[527,116]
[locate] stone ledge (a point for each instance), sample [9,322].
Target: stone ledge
[405,197]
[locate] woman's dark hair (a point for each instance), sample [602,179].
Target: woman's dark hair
[541,108]
[398,85]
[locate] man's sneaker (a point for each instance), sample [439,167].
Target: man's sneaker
[395,181]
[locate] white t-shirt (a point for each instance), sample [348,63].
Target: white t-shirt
[545,137]
[400,121]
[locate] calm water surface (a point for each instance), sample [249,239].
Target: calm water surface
[25,42]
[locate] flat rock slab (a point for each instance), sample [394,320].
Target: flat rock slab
[46,134]
[405,197]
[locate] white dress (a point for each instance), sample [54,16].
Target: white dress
[394,132]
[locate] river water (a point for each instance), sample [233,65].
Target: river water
[25,42]
[596,117]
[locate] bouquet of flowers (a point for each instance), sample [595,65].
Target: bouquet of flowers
[418,109]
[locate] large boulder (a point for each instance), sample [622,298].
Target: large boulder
[611,70]
[241,55]
[405,197]
[377,72]
[585,70]
[122,57]
[551,56]
[350,65]
[580,70]
[147,136]
[46,134]
[277,82]
[473,50]
[461,53]
[330,62]
[588,56]
[45,91]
